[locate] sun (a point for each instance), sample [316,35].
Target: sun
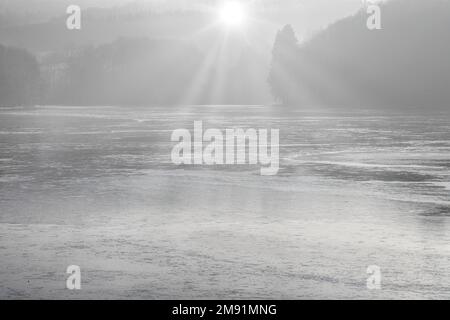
[233,14]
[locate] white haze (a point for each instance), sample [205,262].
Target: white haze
[304,15]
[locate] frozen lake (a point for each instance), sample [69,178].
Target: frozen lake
[95,187]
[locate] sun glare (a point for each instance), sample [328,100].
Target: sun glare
[233,14]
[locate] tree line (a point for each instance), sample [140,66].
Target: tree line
[131,71]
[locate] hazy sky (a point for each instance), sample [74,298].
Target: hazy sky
[305,15]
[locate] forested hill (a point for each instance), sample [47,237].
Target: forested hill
[20,81]
[405,64]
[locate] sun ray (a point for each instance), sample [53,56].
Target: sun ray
[202,77]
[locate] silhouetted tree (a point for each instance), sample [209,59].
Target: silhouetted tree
[282,74]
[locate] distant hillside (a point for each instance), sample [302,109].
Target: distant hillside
[101,26]
[19,77]
[406,64]
[156,71]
